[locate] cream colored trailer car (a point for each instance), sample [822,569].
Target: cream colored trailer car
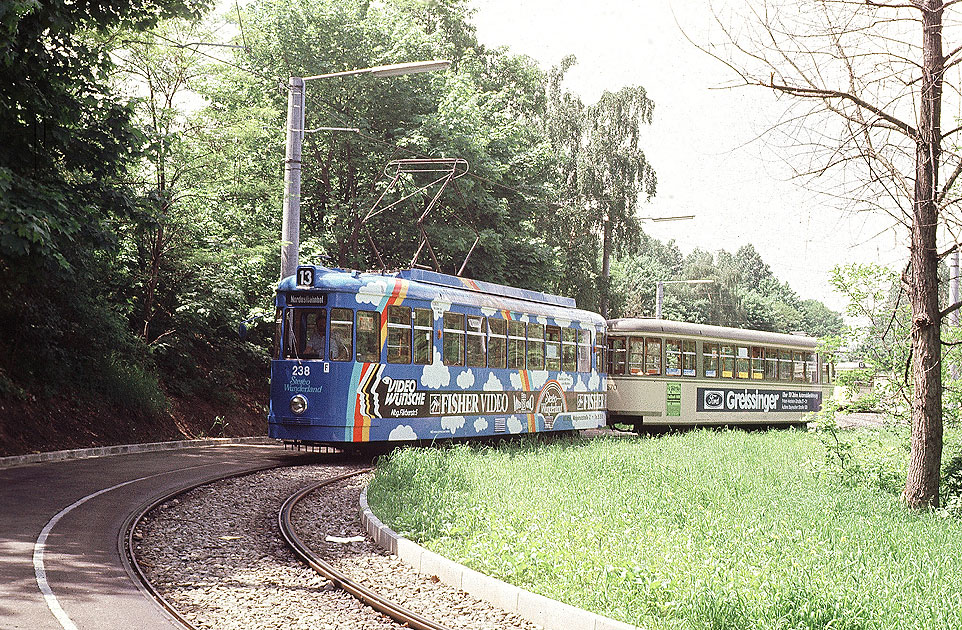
[668,373]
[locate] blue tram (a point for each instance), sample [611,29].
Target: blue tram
[419,355]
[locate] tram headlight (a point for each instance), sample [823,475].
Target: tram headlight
[298,405]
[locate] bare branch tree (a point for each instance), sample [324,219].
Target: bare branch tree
[865,83]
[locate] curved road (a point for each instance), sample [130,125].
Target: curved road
[60,563]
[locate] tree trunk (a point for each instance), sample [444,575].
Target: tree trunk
[922,479]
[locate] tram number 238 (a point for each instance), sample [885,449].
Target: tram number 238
[305,276]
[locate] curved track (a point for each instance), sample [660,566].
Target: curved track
[63,525]
[366,595]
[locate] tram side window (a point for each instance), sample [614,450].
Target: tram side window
[688,358]
[636,355]
[811,368]
[453,339]
[728,361]
[652,356]
[569,349]
[584,350]
[342,334]
[617,355]
[742,363]
[710,358]
[798,366]
[398,334]
[474,349]
[535,346]
[673,357]
[368,336]
[601,351]
[552,349]
[497,343]
[771,364]
[423,336]
[516,345]
[784,365]
[758,363]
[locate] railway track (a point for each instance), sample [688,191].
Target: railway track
[213,557]
[370,597]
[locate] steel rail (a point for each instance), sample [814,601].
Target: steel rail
[126,539]
[364,594]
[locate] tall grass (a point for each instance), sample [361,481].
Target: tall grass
[701,530]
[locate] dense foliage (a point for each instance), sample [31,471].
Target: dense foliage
[141,183]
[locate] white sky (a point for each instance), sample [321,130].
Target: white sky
[703,142]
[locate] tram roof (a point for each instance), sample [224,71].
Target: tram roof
[686,329]
[430,284]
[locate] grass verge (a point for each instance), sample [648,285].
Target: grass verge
[705,529]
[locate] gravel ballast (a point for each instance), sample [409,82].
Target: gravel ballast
[217,556]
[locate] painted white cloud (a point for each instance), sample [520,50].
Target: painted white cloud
[452,423]
[514,424]
[594,381]
[579,386]
[515,381]
[439,307]
[493,384]
[480,425]
[402,432]
[542,320]
[538,378]
[488,311]
[564,379]
[524,318]
[466,379]
[564,323]
[371,293]
[436,374]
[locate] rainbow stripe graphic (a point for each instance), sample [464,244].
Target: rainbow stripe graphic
[358,427]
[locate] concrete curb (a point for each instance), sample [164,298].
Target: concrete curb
[548,613]
[121,449]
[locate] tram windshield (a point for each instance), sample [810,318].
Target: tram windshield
[306,333]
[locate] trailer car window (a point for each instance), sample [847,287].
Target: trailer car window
[636,355]
[652,357]
[673,357]
[728,361]
[784,365]
[798,366]
[742,362]
[771,364]
[688,358]
[601,351]
[710,359]
[758,363]
[617,355]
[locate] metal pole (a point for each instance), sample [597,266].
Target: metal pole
[291,222]
[659,297]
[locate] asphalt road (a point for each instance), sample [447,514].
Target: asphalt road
[61,564]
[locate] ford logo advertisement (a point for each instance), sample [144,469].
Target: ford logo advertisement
[757,400]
